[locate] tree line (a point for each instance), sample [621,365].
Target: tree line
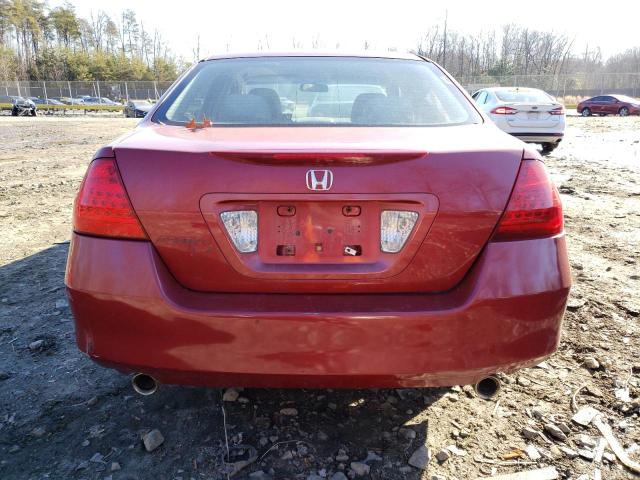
[519,50]
[38,43]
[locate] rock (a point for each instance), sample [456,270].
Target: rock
[372,457]
[36,345]
[289,412]
[523,381]
[361,469]
[568,452]
[38,432]
[339,476]
[288,455]
[591,363]
[230,395]
[259,475]
[584,416]
[312,476]
[115,466]
[4,376]
[585,441]
[152,440]
[61,304]
[342,456]
[532,452]
[14,448]
[420,458]
[97,458]
[92,401]
[443,455]
[407,433]
[458,452]
[323,437]
[565,428]
[530,433]
[586,454]
[85,443]
[555,432]
[538,413]
[332,405]
[575,304]
[438,477]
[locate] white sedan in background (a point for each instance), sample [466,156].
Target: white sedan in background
[529,114]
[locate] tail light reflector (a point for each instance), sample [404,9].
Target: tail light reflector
[395,227]
[534,209]
[102,206]
[242,227]
[504,111]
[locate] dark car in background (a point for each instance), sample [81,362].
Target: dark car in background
[88,100]
[609,105]
[45,101]
[137,108]
[19,105]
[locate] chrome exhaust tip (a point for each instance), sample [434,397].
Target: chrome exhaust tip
[488,387]
[144,384]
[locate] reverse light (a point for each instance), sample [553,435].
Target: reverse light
[102,206]
[534,209]
[242,227]
[395,227]
[504,111]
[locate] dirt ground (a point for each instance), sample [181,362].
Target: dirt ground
[62,417]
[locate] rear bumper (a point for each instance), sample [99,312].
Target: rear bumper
[538,137]
[132,315]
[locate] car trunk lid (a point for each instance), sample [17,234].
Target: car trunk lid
[180,181]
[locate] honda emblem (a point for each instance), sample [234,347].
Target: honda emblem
[319,179]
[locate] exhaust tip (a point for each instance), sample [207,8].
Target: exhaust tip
[488,387]
[144,384]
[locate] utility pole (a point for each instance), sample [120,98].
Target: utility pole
[444,43]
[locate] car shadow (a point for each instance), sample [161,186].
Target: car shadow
[64,416]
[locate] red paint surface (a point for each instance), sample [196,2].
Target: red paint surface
[132,314]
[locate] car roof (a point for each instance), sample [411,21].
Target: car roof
[319,53]
[511,89]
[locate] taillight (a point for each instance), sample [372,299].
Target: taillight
[395,227]
[102,206]
[242,227]
[534,209]
[557,111]
[504,111]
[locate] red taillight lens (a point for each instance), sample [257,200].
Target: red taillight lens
[504,111]
[557,111]
[534,209]
[102,206]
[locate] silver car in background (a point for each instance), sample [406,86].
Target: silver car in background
[529,114]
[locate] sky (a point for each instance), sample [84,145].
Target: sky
[245,25]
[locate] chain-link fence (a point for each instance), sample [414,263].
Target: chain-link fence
[62,90]
[573,86]
[561,86]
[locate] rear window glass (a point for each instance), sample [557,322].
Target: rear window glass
[298,91]
[523,96]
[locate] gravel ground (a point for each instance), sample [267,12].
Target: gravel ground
[61,416]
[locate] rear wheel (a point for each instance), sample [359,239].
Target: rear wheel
[624,111]
[586,112]
[549,147]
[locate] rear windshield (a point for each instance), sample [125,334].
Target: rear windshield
[299,91]
[523,96]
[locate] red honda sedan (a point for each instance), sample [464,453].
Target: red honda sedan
[377,231]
